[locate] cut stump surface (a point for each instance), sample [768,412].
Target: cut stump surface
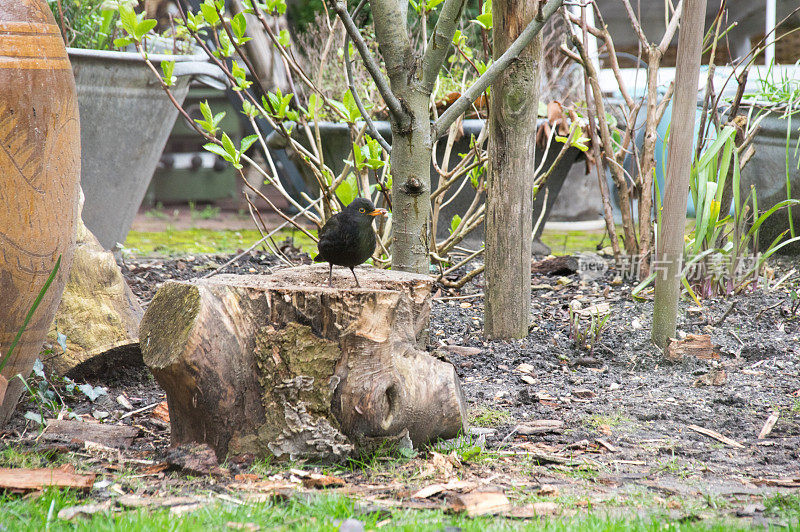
[284,365]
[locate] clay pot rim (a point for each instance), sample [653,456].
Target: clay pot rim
[133,56]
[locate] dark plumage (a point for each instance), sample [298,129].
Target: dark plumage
[347,239]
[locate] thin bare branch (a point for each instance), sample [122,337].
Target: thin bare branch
[671,29]
[637,26]
[498,67]
[354,91]
[382,84]
[440,41]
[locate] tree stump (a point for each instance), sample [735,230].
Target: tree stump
[283,365]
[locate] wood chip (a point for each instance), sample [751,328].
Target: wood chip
[584,394]
[463,350]
[161,412]
[23,480]
[786,482]
[318,481]
[74,431]
[539,426]
[84,510]
[607,445]
[479,503]
[530,511]
[247,477]
[184,509]
[717,436]
[767,428]
[696,345]
[434,489]
[135,501]
[122,400]
[525,368]
[527,379]
[548,490]
[715,377]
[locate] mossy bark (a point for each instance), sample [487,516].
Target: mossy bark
[284,366]
[509,188]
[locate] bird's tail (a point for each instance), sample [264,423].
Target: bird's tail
[318,258]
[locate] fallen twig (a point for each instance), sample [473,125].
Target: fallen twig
[717,436]
[140,410]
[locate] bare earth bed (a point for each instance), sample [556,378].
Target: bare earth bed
[557,428]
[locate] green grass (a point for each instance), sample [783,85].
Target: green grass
[14,457]
[616,419]
[783,504]
[569,242]
[488,417]
[322,512]
[172,242]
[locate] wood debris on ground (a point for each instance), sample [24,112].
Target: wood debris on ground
[23,480]
[717,436]
[694,345]
[74,431]
[479,503]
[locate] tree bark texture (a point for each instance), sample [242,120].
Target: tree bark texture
[283,365]
[670,242]
[512,122]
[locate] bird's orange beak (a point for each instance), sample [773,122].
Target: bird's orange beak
[377,212]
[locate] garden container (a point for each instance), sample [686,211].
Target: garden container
[39,173]
[337,146]
[126,120]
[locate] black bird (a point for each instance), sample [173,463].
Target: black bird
[347,239]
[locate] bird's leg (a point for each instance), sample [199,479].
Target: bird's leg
[330,275]
[354,275]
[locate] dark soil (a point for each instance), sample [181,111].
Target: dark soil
[626,410]
[624,390]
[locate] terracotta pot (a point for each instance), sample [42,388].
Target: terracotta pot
[39,175]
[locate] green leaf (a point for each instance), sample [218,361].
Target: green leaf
[314,105]
[284,38]
[352,109]
[485,21]
[240,75]
[29,315]
[143,27]
[218,150]
[168,67]
[239,25]
[454,223]
[347,190]
[247,142]
[127,17]
[210,14]
[227,144]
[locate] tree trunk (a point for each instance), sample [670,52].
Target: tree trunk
[411,186]
[670,242]
[509,204]
[283,365]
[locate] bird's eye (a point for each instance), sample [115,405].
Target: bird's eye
[361,209]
